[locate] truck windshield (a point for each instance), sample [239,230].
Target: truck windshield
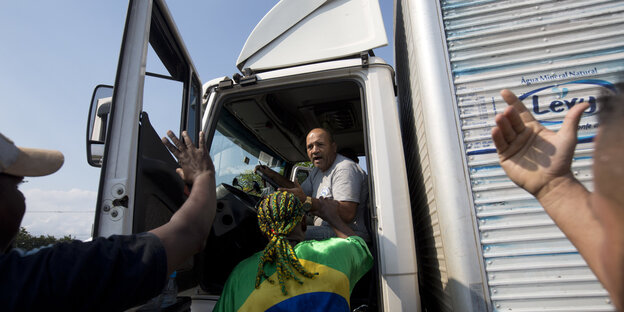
[236,152]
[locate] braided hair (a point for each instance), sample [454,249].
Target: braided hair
[278,214]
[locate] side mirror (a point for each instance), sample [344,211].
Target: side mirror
[97,124]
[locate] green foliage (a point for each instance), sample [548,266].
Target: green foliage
[26,241]
[246,180]
[307,164]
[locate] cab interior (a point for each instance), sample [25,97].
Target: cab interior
[254,125]
[269,127]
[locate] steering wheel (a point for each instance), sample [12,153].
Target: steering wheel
[242,196]
[235,235]
[267,179]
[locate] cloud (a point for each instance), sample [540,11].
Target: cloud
[59,213]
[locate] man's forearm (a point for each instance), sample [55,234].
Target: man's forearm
[278,178]
[328,209]
[341,229]
[346,210]
[186,232]
[199,209]
[567,202]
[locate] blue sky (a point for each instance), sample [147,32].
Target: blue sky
[52,57]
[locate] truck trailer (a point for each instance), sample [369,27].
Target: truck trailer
[482,242]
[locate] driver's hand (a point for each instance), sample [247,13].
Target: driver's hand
[328,209]
[297,190]
[261,168]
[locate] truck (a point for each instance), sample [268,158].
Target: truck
[450,232]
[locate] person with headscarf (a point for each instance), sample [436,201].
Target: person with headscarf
[295,275]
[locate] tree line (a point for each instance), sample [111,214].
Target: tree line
[27,241]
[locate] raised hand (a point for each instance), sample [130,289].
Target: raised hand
[262,168]
[186,232]
[297,190]
[534,157]
[193,161]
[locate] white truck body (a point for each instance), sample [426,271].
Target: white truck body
[483,243]
[436,192]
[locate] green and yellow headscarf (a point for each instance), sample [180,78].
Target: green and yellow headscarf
[278,214]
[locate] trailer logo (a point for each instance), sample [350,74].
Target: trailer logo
[558,106]
[562,103]
[567,74]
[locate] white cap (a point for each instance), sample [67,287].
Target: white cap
[27,162]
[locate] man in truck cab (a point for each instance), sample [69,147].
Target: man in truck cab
[106,274]
[295,275]
[334,177]
[539,160]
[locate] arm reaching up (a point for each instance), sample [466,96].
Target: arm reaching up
[185,234]
[539,161]
[534,157]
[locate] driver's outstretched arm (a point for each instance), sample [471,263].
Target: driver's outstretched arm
[278,178]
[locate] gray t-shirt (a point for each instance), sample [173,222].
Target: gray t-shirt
[343,181]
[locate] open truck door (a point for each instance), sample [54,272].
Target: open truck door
[139,189]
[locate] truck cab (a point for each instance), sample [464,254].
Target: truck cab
[298,72]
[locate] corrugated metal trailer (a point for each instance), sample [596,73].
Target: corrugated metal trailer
[483,243]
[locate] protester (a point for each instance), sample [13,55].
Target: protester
[539,161]
[106,274]
[291,275]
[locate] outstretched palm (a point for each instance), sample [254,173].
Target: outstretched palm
[193,161]
[531,155]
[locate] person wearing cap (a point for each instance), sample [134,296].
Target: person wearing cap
[539,160]
[106,274]
[16,163]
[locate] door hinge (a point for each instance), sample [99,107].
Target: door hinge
[248,77]
[226,83]
[364,57]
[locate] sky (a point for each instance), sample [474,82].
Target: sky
[51,58]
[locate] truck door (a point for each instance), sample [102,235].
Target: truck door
[139,189]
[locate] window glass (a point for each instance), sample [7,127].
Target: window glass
[235,153]
[162,98]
